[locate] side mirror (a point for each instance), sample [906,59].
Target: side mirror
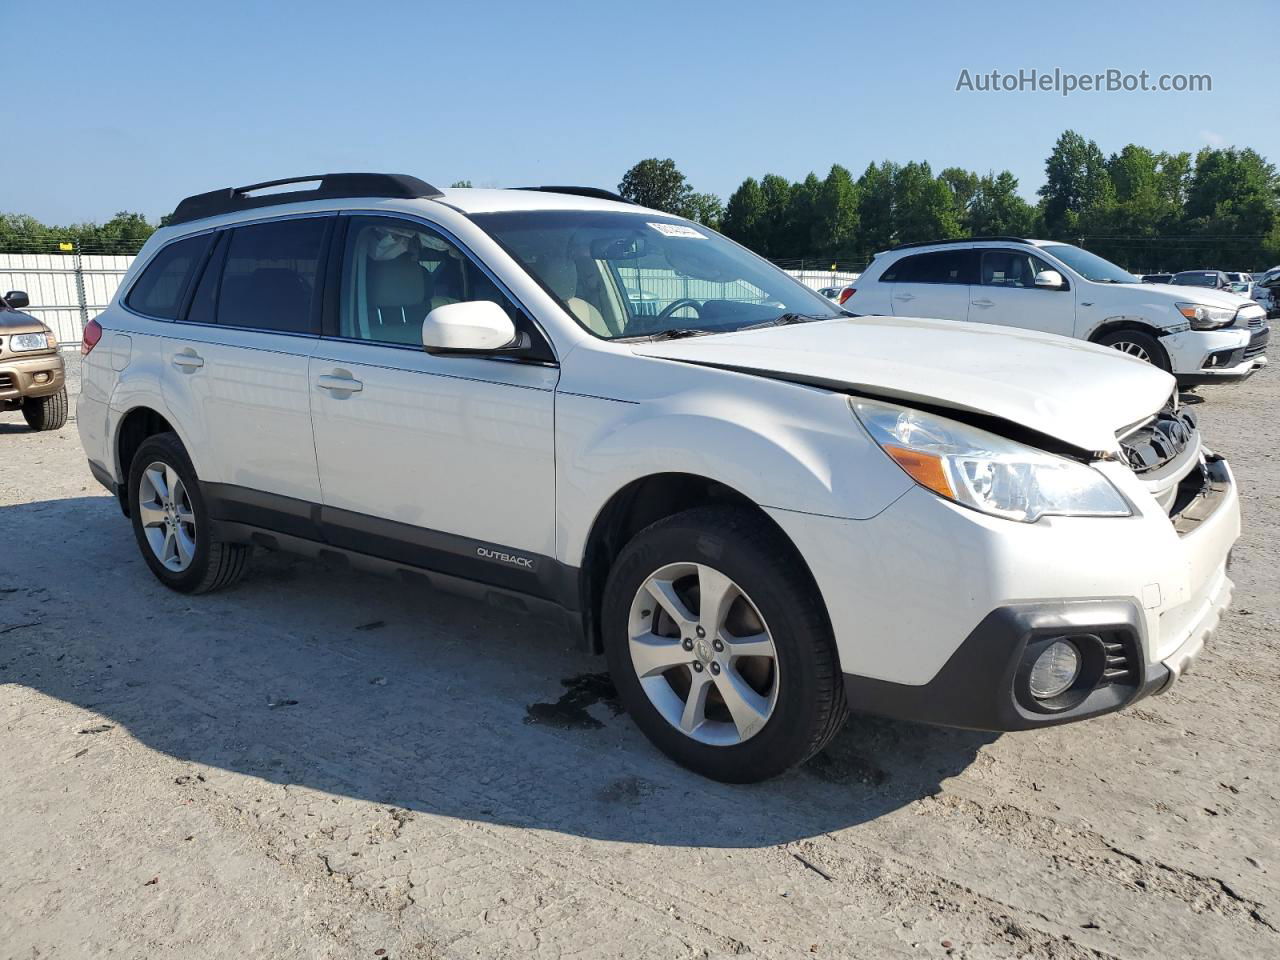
[17,299]
[1051,280]
[475,326]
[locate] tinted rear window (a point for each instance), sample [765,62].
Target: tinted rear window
[1196,279]
[269,277]
[945,266]
[159,291]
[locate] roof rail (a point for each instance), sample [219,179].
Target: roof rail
[934,243]
[329,186]
[594,192]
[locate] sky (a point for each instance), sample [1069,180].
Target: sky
[133,106]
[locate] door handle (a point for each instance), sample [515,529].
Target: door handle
[983,303]
[188,361]
[339,385]
[904,296]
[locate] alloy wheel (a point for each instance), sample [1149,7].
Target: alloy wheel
[168,519]
[703,654]
[1133,349]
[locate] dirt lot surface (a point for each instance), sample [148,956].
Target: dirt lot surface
[325,764]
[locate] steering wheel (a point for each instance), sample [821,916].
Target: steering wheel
[675,305]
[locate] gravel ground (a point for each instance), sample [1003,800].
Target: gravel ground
[324,764]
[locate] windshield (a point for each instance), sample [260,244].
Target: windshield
[645,274]
[1089,265]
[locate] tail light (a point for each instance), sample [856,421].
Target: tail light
[92,334]
[846,293]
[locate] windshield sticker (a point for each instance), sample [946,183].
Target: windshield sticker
[678,230]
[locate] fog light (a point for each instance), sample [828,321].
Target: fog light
[42,378]
[1054,670]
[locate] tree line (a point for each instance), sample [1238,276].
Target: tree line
[1144,209]
[123,234]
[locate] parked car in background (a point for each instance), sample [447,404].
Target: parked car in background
[1241,283]
[1266,291]
[1213,279]
[831,293]
[1156,277]
[32,375]
[761,508]
[1201,336]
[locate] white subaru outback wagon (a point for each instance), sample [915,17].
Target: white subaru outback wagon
[764,510]
[1200,335]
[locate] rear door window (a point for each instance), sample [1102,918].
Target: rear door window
[269,279]
[160,290]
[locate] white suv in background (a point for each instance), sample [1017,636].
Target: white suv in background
[763,510]
[1199,335]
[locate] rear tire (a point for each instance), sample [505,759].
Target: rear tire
[171,521]
[1138,344]
[46,413]
[795,703]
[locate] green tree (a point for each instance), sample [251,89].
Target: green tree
[875,208]
[835,227]
[964,185]
[924,207]
[704,208]
[803,211]
[658,184]
[744,215]
[1077,189]
[1233,201]
[777,208]
[460,183]
[997,210]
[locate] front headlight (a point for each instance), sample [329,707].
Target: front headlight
[985,471]
[21,342]
[1205,317]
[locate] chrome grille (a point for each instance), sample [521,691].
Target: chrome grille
[1251,317]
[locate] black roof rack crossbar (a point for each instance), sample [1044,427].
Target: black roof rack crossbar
[934,243]
[594,192]
[329,186]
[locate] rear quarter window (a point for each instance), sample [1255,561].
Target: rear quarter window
[943,266]
[159,291]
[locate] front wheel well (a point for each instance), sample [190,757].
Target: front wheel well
[138,424]
[633,508]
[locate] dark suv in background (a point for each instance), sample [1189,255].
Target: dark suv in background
[1213,279]
[31,371]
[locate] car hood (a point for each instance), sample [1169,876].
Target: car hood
[15,321]
[1205,295]
[1076,392]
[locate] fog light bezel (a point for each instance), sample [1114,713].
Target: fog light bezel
[1093,661]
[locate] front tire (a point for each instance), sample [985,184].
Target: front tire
[720,647]
[1138,344]
[46,413]
[171,521]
